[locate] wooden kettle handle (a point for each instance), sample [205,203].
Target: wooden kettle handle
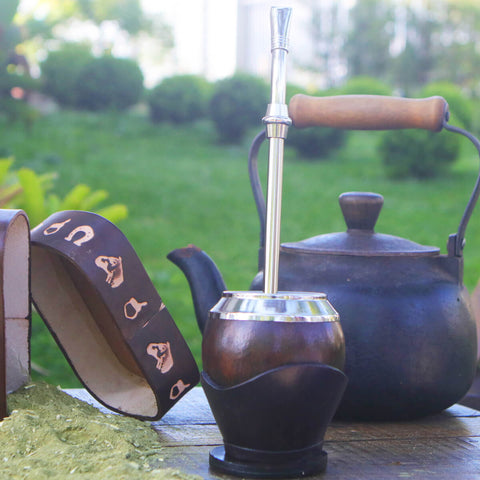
[368,112]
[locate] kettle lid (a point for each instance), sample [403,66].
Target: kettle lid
[360,210]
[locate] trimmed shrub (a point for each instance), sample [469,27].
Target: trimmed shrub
[421,154]
[61,70]
[238,103]
[418,153]
[314,143]
[460,106]
[109,83]
[365,85]
[179,99]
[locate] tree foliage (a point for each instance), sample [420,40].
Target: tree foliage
[327,40]
[459,61]
[50,20]
[127,13]
[413,66]
[409,44]
[367,48]
[14,69]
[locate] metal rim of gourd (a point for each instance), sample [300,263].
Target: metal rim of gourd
[278,307]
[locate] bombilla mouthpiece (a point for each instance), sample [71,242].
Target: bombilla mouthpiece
[280,22]
[276,119]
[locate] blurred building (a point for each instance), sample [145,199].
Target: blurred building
[204,36]
[215,38]
[315,39]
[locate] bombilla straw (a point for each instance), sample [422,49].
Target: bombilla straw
[277,122]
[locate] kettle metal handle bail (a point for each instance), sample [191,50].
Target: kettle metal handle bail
[456,241]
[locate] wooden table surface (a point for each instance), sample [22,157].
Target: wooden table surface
[441,447]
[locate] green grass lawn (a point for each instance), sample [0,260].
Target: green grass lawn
[181,186]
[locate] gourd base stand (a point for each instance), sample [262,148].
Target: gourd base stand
[273,425]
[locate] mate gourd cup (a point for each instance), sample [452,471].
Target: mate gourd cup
[272,375]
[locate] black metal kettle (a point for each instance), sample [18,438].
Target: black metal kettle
[410,334]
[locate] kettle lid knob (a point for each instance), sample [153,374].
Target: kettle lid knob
[360,209]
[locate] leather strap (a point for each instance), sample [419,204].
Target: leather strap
[93,293]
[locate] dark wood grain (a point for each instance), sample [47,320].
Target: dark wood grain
[15,310]
[445,446]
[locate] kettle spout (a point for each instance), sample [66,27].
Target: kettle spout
[205,280]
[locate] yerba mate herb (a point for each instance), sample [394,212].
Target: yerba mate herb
[49,434]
